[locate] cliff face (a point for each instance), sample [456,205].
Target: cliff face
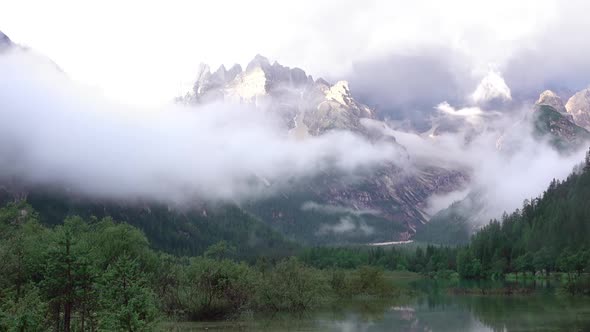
[307,107]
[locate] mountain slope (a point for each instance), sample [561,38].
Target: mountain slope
[550,98]
[562,133]
[455,224]
[181,231]
[550,233]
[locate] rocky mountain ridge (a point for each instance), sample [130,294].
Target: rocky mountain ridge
[311,106]
[576,109]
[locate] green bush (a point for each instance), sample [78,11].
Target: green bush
[216,289]
[292,286]
[370,280]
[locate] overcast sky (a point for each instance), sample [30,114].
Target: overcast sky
[146,52]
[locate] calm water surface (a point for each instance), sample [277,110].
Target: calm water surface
[437,311]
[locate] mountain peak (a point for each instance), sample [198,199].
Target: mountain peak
[221,69]
[547,94]
[259,61]
[550,98]
[4,40]
[491,88]
[579,106]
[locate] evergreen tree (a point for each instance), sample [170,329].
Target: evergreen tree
[68,276]
[127,303]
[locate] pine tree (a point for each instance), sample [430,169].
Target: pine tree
[68,274]
[127,302]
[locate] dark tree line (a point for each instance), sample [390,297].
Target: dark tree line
[430,260]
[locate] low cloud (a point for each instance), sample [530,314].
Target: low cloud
[346,225]
[505,161]
[351,220]
[54,132]
[439,202]
[336,209]
[407,85]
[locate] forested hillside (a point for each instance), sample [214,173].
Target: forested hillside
[174,230]
[456,223]
[549,233]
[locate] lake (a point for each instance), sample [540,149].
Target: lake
[435,310]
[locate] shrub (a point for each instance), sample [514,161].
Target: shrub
[217,289]
[291,286]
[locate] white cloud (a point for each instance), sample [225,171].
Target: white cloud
[463,112]
[54,132]
[522,168]
[346,225]
[336,209]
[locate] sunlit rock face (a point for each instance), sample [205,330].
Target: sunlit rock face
[579,107]
[317,105]
[308,108]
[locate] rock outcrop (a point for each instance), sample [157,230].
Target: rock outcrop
[579,107]
[549,98]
